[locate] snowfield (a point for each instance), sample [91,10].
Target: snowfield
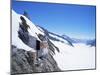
[74,58]
[80,56]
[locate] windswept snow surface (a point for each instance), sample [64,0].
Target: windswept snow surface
[15,39]
[15,28]
[74,58]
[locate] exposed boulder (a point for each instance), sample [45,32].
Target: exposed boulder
[23,62]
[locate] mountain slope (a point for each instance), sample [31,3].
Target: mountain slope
[54,36]
[81,56]
[15,28]
[63,53]
[24,49]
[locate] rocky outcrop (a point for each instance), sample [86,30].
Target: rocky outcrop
[28,36]
[23,62]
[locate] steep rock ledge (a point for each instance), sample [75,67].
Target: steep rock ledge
[23,62]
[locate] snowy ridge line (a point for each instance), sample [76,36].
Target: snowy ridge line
[61,38]
[15,28]
[15,39]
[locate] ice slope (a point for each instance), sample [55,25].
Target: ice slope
[74,58]
[15,28]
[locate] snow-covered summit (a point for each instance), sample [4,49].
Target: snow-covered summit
[33,31]
[80,56]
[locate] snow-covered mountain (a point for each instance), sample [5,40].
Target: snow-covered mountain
[64,54]
[85,41]
[56,37]
[24,47]
[91,42]
[15,28]
[70,39]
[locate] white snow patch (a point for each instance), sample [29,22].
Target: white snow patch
[40,29]
[33,29]
[73,58]
[15,27]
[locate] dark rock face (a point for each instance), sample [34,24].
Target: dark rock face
[23,62]
[23,34]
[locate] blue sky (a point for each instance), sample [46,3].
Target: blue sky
[76,21]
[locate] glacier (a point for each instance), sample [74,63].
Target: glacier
[81,56]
